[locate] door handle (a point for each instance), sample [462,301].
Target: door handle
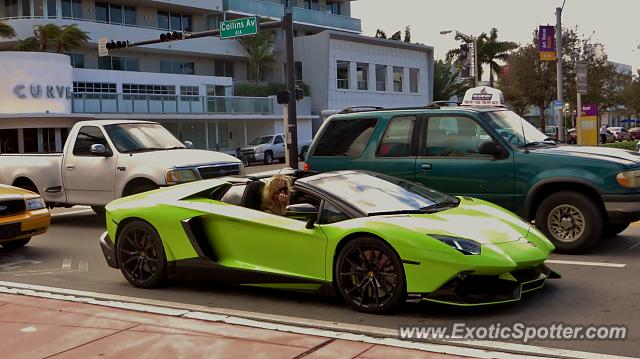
[70,167]
[425,166]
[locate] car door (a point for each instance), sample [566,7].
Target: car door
[255,240]
[449,161]
[88,178]
[397,149]
[278,147]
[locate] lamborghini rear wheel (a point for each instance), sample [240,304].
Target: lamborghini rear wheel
[140,255]
[369,275]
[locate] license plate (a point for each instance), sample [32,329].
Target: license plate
[9,230]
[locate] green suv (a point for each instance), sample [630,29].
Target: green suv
[575,195]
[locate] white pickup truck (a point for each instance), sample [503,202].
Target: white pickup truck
[103,160]
[268,148]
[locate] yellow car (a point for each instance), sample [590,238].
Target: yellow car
[23,214]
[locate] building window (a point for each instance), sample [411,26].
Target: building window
[38,8]
[213,23]
[342,72]
[398,74]
[177,67]
[414,75]
[77,60]
[189,93]
[72,9]
[30,136]
[216,90]
[102,12]
[116,14]
[381,78]
[174,21]
[145,90]
[9,141]
[26,8]
[118,63]
[51,8]
[333,7]
[362,72]
[130,15]
[307,4]
[11,8]
[94,87]
[298,69]
[223,68]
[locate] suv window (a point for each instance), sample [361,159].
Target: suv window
[397,140]
[87,136]
[346,138]
[454,136]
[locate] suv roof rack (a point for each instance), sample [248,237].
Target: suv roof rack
[432,105]
[438,104]
[351,109]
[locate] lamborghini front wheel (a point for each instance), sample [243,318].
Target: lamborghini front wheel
[369,275]
[140,255]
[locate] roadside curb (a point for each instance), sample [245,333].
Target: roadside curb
[344,331]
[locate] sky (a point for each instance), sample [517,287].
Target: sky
[614,23]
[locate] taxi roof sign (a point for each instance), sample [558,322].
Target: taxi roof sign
[483,96]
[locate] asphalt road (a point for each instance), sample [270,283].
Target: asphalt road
[68,256]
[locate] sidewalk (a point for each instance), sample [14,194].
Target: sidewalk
[33,327]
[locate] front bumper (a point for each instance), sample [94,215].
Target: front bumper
[24,225]
[622,208]
[108,250]
[466,289]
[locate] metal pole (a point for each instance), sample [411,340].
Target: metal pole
[579,123]
[292,129]
[475,60]
[561,136]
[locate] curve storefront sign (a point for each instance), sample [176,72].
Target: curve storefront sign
[42,91]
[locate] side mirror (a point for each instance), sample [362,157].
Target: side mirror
[304,211]
[189,144]
[100,150]
[490,148]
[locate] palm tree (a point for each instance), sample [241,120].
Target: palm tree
[446,82]
[260,50]
[46,35]
[6,31]
[28,44]
[71,37]
[490,50]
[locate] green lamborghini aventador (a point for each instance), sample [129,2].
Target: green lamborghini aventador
[375,240]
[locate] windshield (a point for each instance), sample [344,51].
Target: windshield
[514,129]
[132,137]
[261,140]
[373,193]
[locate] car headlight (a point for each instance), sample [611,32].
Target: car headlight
[176,176]
[258,150]
[35,203]
[629,179]
[462,245]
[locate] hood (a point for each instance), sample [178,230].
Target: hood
[483,222]
[185,157]
[597,153]
[253,147]
[14,192]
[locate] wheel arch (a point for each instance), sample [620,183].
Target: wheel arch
[137,181]
[167,250]
[545,188]
[351,237]
[20,181]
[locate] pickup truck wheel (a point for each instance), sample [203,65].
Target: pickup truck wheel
[570,220]
[140,255]
[613,229]
[19,243]
[268,158]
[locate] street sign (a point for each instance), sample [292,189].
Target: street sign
[238,27]
[102,47]
[581,78]
[558,104]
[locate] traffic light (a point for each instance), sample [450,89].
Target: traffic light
[171,36]
[112,45]
[465,61]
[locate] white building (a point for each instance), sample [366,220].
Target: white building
[190,86]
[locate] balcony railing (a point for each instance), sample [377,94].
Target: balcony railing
[170,104]
[254,7]
[313,17]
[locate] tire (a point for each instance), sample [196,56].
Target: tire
[98,209]
[268,158]
[571,220]
[359,277]
[140,255]
[18,243]
[613,229]
[140,188]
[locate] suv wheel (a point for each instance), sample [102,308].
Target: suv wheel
[571,220]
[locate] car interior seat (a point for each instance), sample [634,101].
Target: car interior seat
[253,195]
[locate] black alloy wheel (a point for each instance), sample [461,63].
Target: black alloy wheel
[369,275]
[140,255]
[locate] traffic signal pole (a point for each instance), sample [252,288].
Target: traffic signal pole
[559,80]
[285,24]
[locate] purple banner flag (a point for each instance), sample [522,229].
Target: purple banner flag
[547,43]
